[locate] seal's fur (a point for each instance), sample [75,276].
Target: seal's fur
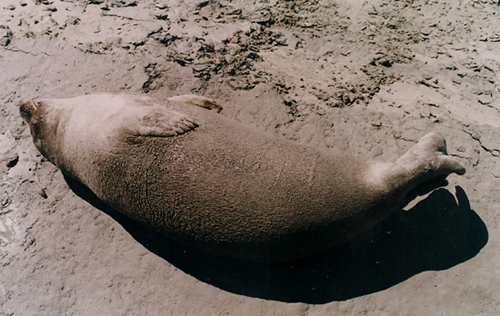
[208,181]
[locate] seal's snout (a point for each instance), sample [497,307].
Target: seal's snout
[28,109]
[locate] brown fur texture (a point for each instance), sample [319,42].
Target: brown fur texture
[210,182]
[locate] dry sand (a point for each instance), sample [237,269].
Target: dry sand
[363,77]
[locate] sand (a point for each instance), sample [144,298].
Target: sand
[363,77]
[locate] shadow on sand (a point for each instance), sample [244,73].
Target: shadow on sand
[436,234]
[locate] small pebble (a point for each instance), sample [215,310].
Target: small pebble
[12,160]
[42,193]
[5,35]
[162,5]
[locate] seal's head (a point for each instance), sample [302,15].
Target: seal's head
[43,125]
[31,113]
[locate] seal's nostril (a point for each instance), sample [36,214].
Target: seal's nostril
[27,109]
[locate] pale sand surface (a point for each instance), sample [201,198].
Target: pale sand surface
[363,77]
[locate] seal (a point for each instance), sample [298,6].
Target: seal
[210,182]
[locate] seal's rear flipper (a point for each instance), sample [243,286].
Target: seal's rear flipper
[159,122]
[423,168]
[430,159]
[199,101]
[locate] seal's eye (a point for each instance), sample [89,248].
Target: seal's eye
[28,109]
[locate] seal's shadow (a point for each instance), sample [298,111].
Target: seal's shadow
[436,234]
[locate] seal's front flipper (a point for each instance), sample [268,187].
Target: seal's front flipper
[159,122]
[199,101]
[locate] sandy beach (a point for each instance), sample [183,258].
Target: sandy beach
[367,78]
